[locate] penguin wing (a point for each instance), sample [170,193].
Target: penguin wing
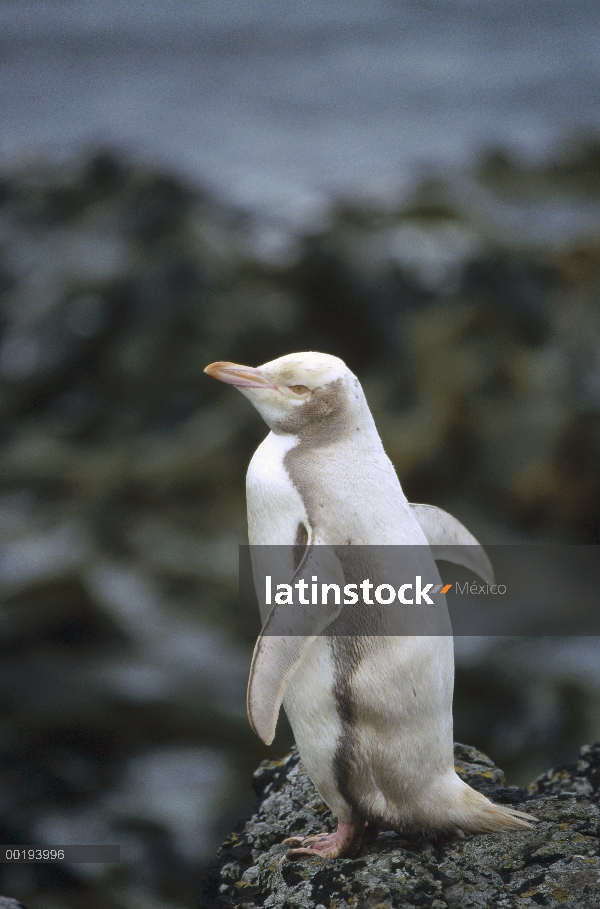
[450,540]
[284,640]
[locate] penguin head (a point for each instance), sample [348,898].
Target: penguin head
[299,393]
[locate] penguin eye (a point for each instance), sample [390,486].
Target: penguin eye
[299,389]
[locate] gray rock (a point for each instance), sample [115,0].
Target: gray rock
[555,864]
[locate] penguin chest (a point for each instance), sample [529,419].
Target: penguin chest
[275,507]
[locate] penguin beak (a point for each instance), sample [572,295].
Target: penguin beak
[234,374]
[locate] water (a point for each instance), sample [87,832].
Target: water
[282,105]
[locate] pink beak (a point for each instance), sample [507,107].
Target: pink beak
[241,376]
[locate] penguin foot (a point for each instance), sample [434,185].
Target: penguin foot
[305,839]
[346,841]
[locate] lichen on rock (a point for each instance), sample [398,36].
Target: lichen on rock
[555,864]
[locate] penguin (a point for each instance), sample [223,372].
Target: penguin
[371,712]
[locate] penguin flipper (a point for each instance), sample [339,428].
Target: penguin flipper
[451,541]
[286,636]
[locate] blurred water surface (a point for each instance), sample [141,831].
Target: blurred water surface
[280,106]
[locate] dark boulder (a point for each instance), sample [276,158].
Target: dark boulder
[555,864]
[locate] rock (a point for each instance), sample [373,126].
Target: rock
[555,864]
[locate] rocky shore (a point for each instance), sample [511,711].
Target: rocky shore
[470,313]
[555,864]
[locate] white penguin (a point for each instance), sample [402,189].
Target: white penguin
[371,713]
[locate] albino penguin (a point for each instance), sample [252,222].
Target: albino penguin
[371,713]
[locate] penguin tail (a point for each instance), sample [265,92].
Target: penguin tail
[472,812]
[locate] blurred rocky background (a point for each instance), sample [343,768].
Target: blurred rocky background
[122,466]
[201,223]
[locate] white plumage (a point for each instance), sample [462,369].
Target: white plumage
[372,714]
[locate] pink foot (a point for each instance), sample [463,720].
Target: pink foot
[346,840]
